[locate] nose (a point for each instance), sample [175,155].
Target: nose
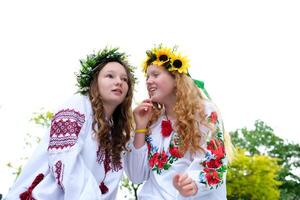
[149,80]
[118,81]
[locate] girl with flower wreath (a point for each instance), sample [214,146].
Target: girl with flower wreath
[81,156]
[178,150]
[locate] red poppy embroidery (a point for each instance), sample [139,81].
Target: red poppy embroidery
[174,151]
[212,176]
[159,161]
[216,147]
[65,128]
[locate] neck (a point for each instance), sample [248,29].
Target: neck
[169,107]
[109,110]
[170,112]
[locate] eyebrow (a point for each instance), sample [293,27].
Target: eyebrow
[112,71]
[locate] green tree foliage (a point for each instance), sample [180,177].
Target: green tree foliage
[252,178]
[263,141]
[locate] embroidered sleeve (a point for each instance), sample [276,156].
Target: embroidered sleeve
[136,163]
[214,164]
[69,128]
[65,128]
[208,169]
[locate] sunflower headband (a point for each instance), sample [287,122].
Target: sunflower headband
[90,65]
[168,58]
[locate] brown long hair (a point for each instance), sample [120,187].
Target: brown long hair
[115,143]
[189,110]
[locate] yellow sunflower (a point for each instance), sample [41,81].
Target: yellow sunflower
[145,65]
[163,55]
[179,63]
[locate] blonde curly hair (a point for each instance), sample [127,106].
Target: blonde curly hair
[189,110]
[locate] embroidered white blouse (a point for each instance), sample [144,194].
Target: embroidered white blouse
[158,161]
[67,163]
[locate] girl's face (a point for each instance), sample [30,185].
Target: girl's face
[160,84]
[113,83]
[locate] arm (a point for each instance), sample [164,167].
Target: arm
[136,164]
[136,160]
[208,174]
[69,128]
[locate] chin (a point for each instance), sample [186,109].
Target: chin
[156,100]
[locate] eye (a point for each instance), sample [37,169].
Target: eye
[155,75]
[109,75]
[125,79]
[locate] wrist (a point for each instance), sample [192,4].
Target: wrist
[141,130]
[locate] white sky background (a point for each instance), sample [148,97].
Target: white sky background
[247,52]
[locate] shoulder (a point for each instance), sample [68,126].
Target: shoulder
[77,103]
[68,122]
[75,108]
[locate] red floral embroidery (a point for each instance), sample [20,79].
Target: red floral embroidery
[216,147]
[213,163]
[159,161]
[65,127]
[213,117]
[162,159]
[212,176]
[153,159]
[27,195]
[166,128]
[174,151]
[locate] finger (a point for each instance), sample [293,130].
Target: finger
[143,107]
[188,193]
[182,177]
[176,177]
[175,180]
[188,187]
[186,181]
[147,101]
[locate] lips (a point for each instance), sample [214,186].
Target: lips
[151,90]
[117,91]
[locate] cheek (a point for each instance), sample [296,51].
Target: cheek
[126,89]
[166,84]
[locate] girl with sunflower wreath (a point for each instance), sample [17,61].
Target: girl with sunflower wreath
[179,148]
[81,156]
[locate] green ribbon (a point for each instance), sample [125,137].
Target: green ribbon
[200,84]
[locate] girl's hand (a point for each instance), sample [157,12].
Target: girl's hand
[142,114]
[185,185]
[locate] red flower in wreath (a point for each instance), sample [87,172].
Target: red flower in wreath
[166,128]
[212,176]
